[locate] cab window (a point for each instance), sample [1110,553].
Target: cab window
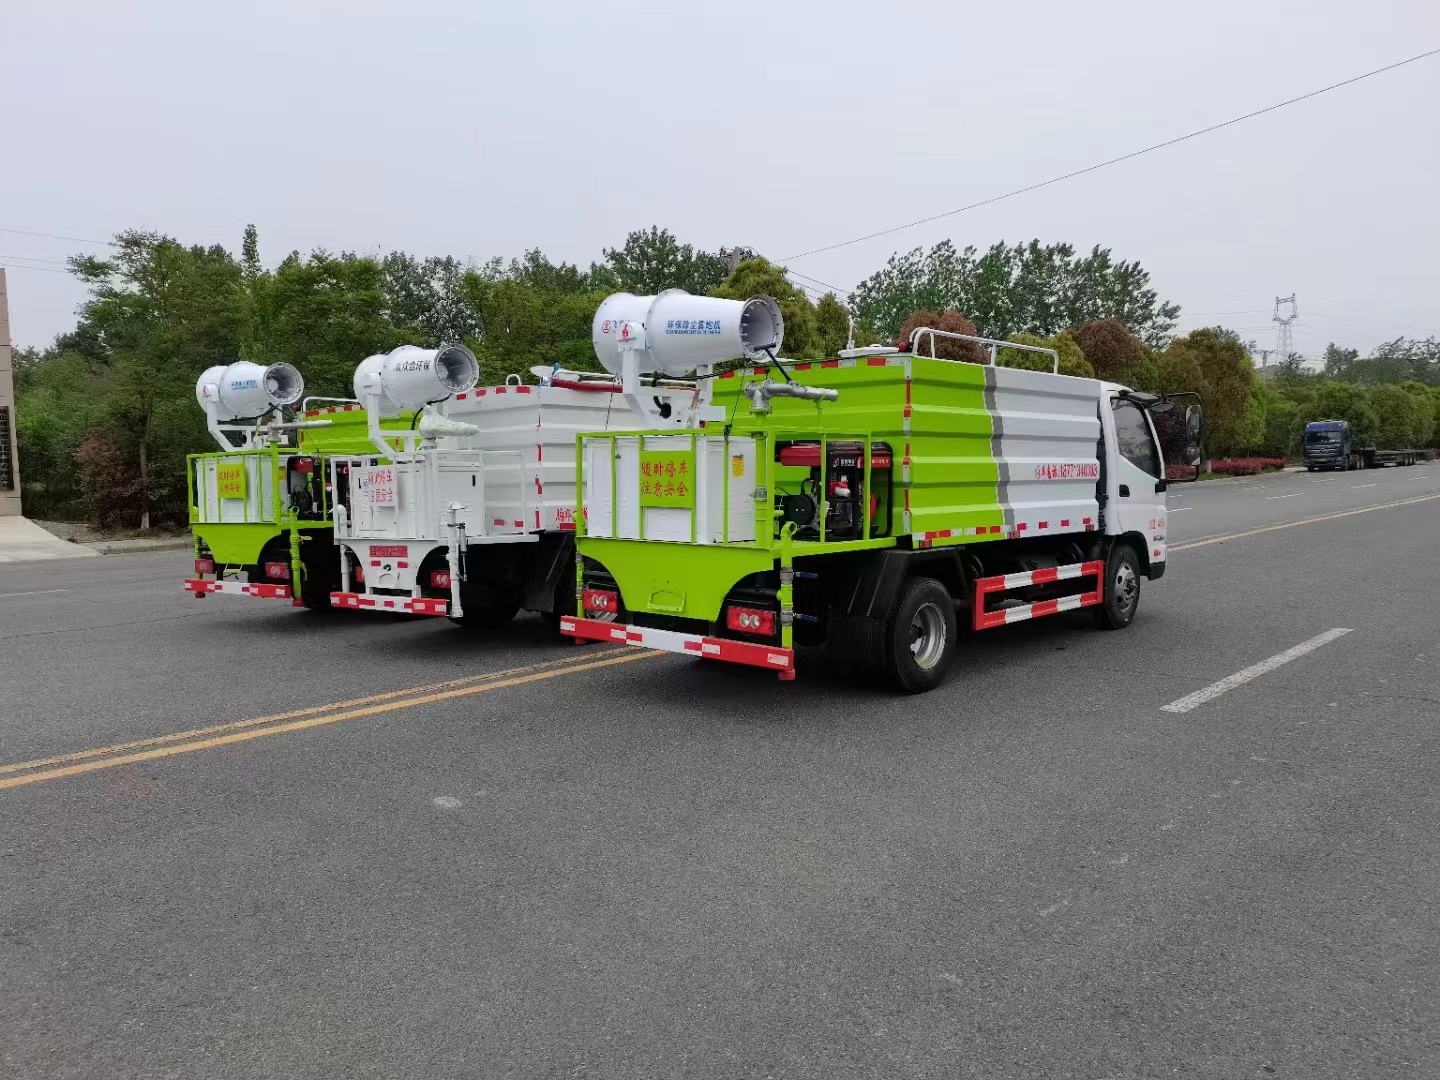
[1133,438]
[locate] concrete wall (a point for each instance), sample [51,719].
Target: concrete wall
[10,485]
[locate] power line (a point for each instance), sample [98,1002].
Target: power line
[1116,160]
[57,236]
[1374,322]
[37,258]
[42,269]
[817,281]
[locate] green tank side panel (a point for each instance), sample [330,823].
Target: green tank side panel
[954,474]
[347,434]
[236,545]
[676,579]
[948,475]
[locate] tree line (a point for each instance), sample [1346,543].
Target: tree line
[106,414]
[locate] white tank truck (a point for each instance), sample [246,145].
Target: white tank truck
[471,514]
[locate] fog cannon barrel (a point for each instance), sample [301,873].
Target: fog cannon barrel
[245,389]
[683,332]
[409,378]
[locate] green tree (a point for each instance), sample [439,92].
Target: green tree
[1027,288]
[163,313]
[1398,419]
[1231,392]
[653,260]
[1339,362]
[1282,427]
[1425,417]
[832,325]
[760,277]
[526,326]
[325,313]
[1072,359]
[424,295]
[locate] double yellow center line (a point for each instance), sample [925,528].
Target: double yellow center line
[207,738]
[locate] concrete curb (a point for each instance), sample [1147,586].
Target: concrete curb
[125,547]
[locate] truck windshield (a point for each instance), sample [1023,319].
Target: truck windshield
[1321,438]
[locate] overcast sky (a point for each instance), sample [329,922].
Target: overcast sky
[479,128]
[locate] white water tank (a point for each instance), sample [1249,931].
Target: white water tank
[409,378]
[248,390]
[683,332]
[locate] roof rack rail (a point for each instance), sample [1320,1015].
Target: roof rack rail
[992,346]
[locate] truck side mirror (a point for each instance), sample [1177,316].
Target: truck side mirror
[1194,439]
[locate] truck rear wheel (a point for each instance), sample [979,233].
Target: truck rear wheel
[1122,589]
[920,636]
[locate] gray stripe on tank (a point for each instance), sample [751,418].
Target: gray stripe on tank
[997,436]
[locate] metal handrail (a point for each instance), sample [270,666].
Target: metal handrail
[305,405]
[993,345]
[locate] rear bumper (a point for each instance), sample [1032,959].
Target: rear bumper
[419,605]
[735,652]
[260,590]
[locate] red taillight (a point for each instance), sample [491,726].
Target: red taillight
[600,600]
[277,570]
[204,566]
[440,579]
[750,620]
[305,464]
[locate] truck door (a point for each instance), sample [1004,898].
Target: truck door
[1135,477]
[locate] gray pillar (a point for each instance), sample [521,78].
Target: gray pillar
[9,455]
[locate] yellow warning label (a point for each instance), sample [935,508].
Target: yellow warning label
[230,479]
[737,465]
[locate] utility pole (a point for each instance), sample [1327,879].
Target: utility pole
[1284,340]
[9,458]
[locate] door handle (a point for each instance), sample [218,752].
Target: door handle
[1124,491]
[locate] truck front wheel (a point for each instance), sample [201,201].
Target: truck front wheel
[920,636]
[1122,589]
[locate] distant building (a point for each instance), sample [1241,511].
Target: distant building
[9,453]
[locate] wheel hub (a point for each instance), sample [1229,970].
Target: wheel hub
[1127,586]
[927,636]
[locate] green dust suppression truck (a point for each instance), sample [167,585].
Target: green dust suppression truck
[868,503]
[260,506]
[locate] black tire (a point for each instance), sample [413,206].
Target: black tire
[486,617]
[316,601]
[1122,589]
[563,605]
[920,636]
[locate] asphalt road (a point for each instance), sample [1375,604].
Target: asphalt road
[613,864]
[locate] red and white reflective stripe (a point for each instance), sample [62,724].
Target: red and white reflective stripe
[332,409]
[925,539]
[420,605]
[1044,574]
[984,620]
[735,652]
[261,590]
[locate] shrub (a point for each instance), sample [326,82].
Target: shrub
[1246,466]
[945,348]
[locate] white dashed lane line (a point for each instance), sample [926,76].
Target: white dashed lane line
[1254,671]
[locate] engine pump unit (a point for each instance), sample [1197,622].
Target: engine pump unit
[840,487]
